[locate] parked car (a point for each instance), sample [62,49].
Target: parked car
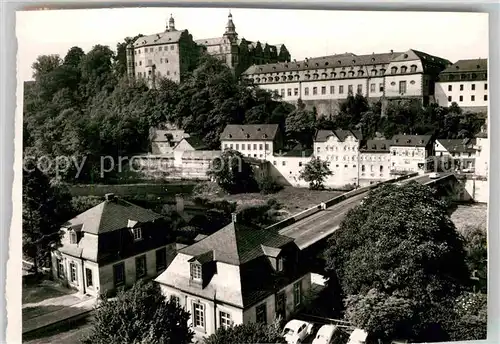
[330,334]
[358,336]
[434,175]
[296,331]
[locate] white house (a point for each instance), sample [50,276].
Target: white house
[410,153]
[110,245]
[375,161]
[237,275]
[482,155]
[252,140]
[465,83]
[461,151]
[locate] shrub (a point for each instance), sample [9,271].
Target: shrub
[268,185]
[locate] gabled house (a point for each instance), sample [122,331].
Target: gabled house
[462,151]
[164,141]
[410,153]
[375,161]
[237,275]
[111,245]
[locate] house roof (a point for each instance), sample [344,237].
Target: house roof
[196,142]
[237,244]
[376,146]
[472,65]
[250,132]
[337,60]
[111,215]
[322,135]
[458,145]
[159,38]
[200,155]
[410,140]
[160,135]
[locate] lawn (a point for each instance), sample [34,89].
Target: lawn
[470,215]
[293,200]
[41,289]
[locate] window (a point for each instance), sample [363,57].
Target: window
[237,146]
[160,48]
[266,146]
[315,90]
[60,268]
[381,168]
[198,315]
[283,163]
[332,89]
[413,68]
[450,87]
[372,87]
[306,91]
[72,270]
[297,294]
[242,146]
[119,274]
[231,146]
[274,162]
[449,98]
[461,87]
[403,69]
[349,89]
[300,163]
[394,70]
[261,314]
[485,87]
[360,89]
[161,259]
[195,271]
[341,89]
[295,91]
[323,90]
[172,47]
[289,91]
[137,234]
[72,237]
[282,92]
[461,98]
[140,63]
[88,273]
[254,146]
[381,87]
[225,319]
[472,98]
[485,97]
[140,266]
[473,87]
[279,264]
[260,146]
[402,86]
[362,168]
[175,299]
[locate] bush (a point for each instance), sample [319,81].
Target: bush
[84,203]
[268,185]
[251,333]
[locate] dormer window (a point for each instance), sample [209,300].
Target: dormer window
[279,264]
[196,271]
[137,234]
[73,237]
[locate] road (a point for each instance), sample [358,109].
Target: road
[320,225]
[72,335]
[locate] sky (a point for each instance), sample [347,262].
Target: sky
[305,33]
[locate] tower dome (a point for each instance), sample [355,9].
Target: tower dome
[171,23]
[230,27]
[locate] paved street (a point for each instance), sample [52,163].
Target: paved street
[66,335]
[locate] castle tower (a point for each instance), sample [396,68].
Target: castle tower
[230,29]
[171,24]
[130,61]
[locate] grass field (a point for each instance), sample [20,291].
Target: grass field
[470,215]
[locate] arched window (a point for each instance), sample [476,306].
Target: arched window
[394,70]
[297,77]
[308,76]
[324,75]
[382,71]
[258,79]
[264,79]
[283,78]
[315,76]
[413,68]
[403,69]
[290,77]
[351,74]
[342,74]
[276,78]
[360,73]
[374,72]
[333,74]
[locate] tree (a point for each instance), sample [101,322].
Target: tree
[45,207]
[468,319]
[402,243]
[300,124]
[140,315]
[74,57]
[45,64]
[251,333]
[233,173]
[477,254]
[315,172]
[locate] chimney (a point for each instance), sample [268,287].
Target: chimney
[179,203]
[234,217]
[109,196]
[392,51]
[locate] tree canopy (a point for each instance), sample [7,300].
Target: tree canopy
[250,333]
[399,253]
[233,173]
[315,172]
[141,314]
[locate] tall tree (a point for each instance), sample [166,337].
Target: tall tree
[402,244]
[315,172]
[121,55]
[45,64]
[74,57]
[140,315]
[300,124]
[45,207]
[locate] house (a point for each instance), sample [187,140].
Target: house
[285,166]
[410,153]
[111,245]
[462,151]
[482,154]
[164,141]
[341,149]
[190,143]
[375,161]
[252,140]
[237,275]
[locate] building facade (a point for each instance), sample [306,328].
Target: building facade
[411,153]
[482,155]
[111,245]
[239,54]
[456,153]
[169,54]
[253,140]
[465,83]
[235,276]
[375,161]
[323,82]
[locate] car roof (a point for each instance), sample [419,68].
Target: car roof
[327,329]
[295,324]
